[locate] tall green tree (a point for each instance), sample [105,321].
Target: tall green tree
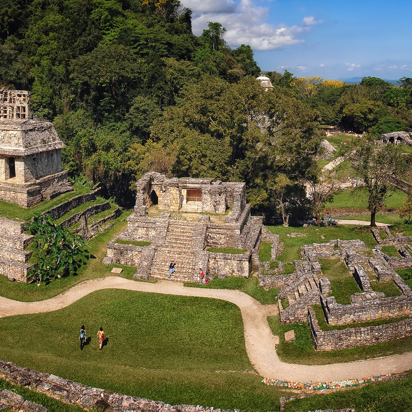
[379,168]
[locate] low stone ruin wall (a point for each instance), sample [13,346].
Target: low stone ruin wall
[84,396]
[58,211]
[368,310]
[229,264]
[90,211]
[275,281]
[118,253]
[354,337]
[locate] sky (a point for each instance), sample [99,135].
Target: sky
[335,39]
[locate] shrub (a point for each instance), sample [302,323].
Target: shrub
[57,251]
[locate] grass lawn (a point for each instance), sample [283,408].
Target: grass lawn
[265,252]
[390,251]
[317,235]
[391,219]
[343,284]
[13,211]
[180,350]
[406,275]
[247,285]
[93,269]
[394,395]
[133,242]
[358,198]
[388,288]
[303,351]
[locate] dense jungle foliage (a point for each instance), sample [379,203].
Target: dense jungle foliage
[130,89]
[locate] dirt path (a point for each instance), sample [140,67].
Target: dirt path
[260,342]
[358,222]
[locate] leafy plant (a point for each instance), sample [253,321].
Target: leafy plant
[57,251]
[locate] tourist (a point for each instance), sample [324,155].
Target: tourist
[101,337]
[82,337]
[201,275]
[171,268]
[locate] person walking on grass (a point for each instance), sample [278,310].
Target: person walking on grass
[82,337]
[201,275]
[171,268]
[101,337]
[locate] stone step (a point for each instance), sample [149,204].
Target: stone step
[14,270]
[313,284]
[15,254]
[15,241]
[291,299]
[296,295]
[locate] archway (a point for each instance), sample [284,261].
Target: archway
[154,198]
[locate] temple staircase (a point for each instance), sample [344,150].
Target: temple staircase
[178,247]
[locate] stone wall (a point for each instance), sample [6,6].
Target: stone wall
[58,211]
[84,396]
[229,264]
[118,253]
[337,314]
[90,211]
[354,337]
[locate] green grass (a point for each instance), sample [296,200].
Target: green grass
[341,280]
[395,395]
[391,219]
[247,285]
[388,288]
[228,250]
[274,265]
[303,351]
[180,350]
[265,253]
[133,242]
[16,212]
[324,326]
[93,269]
[390,251]
[39,398]
[314,235]
[406,275]
[288,268]
[358,198]
[337,139]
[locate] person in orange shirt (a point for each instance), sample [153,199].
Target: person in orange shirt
[101,337]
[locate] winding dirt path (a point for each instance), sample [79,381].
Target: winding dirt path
[260,342]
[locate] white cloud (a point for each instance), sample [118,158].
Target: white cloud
[393,67]
[350,67]
[245,23]
[210,6]
[322,65]
[311,21]
[406,67]
[301,68]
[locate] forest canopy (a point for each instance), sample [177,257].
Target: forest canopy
[131,89]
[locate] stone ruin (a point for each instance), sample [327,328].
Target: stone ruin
[184,241]
[30,153]
[395,138]
[306,287]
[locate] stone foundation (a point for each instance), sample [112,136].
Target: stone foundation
[230,264]
[354,337]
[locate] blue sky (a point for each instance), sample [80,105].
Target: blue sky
[329,38]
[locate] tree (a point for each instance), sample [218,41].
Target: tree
[379,168]
[405,212]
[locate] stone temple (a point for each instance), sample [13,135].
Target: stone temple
[180,219]
[30,153]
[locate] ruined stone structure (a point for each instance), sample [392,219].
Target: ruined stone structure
[306,287]
[183,241]
[395,138]
[30,153]
[265,82]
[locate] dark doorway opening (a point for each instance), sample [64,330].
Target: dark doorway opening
[12,167]
[154,198]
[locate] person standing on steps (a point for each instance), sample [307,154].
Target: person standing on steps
[82,337]
[101,337]
[201,275]
[171,268]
